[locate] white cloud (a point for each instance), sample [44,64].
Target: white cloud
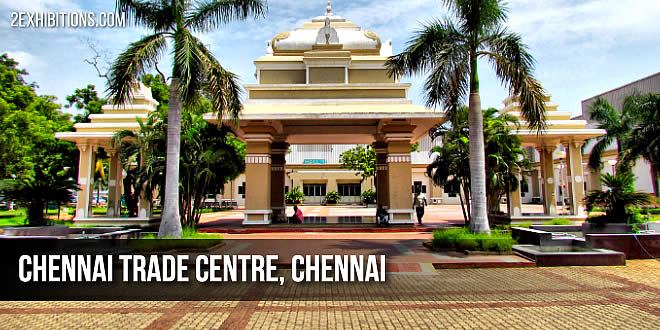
[24,59]
[590,23]
[39,5]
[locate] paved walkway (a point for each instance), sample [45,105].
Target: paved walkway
[436,216]
[544,298]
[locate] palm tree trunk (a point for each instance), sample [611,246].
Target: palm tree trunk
[479,216]
[170,224]
[465,216]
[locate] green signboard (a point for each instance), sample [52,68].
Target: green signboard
[314,161]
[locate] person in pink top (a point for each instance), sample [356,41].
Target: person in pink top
[297,215]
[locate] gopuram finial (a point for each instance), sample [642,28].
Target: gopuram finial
[328,9]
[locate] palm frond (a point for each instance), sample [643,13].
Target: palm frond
[596,155]
[440,48]
[603,112]
[133,62]
[423,50]
[188,67]
[478,15]
[221,87]
[514,65]
[210,14]
[153,15]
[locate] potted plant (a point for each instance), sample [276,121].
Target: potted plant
[332,197]
[295,196]
[369,197]
[620,203]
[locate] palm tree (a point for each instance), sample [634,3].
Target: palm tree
[617,198]
[450,50]
[645,137]
[619,126]
[194,71]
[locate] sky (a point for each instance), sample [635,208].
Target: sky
[582,47]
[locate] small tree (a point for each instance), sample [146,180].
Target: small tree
[361,159]
[295,196]
[617,200]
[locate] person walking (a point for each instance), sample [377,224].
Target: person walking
[419,202]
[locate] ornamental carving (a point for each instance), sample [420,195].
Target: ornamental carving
[373,36]
[280,36]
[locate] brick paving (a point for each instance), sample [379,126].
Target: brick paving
[626,297]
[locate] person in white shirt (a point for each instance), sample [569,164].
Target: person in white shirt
[419,202]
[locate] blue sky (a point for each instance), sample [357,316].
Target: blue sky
[582,47]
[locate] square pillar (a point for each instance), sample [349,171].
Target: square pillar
[548,179]
[399,174]
[114,184]
[514,201]
[86,164]
[575,177]
[258,179]
[278,181]
[382,187]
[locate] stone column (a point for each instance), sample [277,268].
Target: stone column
[549,182]
[278,180]
[515,199]
[382,196]
[257,179]
[114,184]
[86,164]
[575,177]
[399,173]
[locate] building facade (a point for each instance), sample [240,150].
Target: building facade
[322,89]
[616,97]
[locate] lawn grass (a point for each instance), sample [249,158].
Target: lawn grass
[558,222]
[463,240]
[12,218]
[190,239]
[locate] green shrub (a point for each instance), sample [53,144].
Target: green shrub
[463,239]
[467,241]
[525,224]
[369,197]
[446,239]
[332,197]
[295,196]
[558,222]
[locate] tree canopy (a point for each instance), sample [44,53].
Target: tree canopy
[35,167]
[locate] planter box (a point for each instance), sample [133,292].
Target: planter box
[608,228]
[593,257]
[630,244]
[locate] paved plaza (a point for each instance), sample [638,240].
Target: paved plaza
[436,216]
[565,298]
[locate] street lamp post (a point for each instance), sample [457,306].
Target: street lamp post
[613,163]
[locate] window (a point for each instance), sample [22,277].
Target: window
[419,187]
[452,189]
[314,189]
[349,189]
[241,189]
[524,187]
